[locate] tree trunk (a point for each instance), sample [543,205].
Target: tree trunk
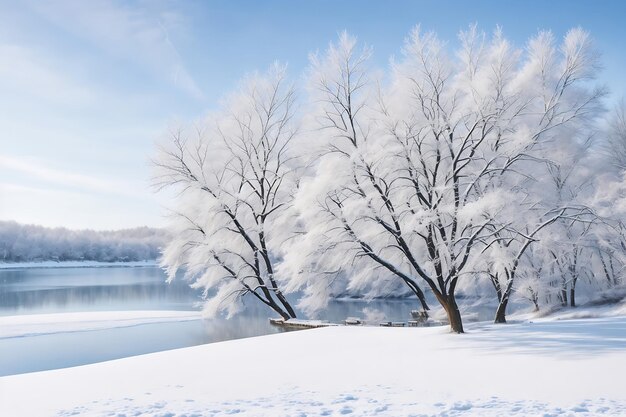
[420,295]
[495,281]
[534,298]
[504,302]
[572,296]
[286,304]
[270,273]
[422,299]
[454,315]
[274,306]
[501,311]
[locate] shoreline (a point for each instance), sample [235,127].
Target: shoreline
[498,370]
[77,264]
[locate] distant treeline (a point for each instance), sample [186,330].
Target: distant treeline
[26,243]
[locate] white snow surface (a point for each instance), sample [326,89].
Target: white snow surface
[74,264]
[541,368]
[39,324]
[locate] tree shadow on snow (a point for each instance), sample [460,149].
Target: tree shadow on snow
[563,337]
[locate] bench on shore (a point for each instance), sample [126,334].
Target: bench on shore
[393,324]
[353,321]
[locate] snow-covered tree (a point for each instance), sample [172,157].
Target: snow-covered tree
[345,205]
[234,180]
[616,137]
[26,243]
[414,178]
[549,177]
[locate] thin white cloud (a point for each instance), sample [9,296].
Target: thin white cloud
[23,71]
[37,170]
[129,31]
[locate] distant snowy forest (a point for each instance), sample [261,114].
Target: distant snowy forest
[471,167]
[26,243]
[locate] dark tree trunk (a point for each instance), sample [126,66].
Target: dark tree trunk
[286,304]
[422,299]
[454,315]
[606,270]
[536,303]
[270,274]
[572,288]
[534,298]
[496,285]
[420,296]
[274,306]
[501,311]
[503,297]
[456,323]
[504,302]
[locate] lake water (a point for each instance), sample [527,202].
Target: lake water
[60,290]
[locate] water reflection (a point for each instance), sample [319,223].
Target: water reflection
[30,291]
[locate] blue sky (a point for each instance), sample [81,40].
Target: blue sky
[86,88]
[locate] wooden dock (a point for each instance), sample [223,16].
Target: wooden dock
[393,324]
[301,324]
[294,324]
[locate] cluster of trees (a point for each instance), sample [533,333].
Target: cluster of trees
[486,169]
[25,243]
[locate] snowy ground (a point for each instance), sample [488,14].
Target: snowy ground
[544,368]
[73,264]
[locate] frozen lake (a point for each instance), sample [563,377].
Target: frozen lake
[96,289]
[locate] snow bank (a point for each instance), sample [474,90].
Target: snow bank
[548,368]
[73,264]
[585,311]
[38,324]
